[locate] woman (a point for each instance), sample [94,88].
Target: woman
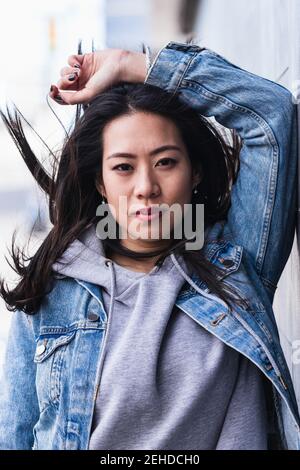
[142,343]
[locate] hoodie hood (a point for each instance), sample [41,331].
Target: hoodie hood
[85,260]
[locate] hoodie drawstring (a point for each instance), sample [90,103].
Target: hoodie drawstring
[194,285]
[111,306]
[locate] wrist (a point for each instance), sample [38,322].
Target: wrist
[133,67]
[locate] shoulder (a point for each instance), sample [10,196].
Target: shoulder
[64,304]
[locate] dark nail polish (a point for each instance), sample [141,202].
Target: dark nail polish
[72,77]
[51,88]
[59,98]
[77,66]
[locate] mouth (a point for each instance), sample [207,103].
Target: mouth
[148,213]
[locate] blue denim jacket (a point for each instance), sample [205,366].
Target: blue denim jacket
[51,371]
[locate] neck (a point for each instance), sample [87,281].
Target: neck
[138,265]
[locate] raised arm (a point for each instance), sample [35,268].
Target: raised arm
[262,217]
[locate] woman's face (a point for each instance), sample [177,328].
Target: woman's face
[145,160]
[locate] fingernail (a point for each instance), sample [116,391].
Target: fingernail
[58,98]
[77,66]
[51,88]
[72,77]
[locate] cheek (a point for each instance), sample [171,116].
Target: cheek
[180,188]
[113,188]
[117,208]
[118,201]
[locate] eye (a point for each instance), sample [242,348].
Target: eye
[117,167]
[168,160]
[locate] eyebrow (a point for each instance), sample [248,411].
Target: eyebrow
[163,148]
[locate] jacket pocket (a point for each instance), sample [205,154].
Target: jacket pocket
[225,256]
[228,258]
[50,357]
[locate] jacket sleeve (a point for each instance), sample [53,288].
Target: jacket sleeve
[262,217]
[19,410]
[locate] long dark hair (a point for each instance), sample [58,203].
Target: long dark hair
[74,198]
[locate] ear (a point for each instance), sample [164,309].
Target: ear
[100,187]
[197,177]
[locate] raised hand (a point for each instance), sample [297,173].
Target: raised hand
[88,75]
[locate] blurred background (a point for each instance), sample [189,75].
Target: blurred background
[37,37]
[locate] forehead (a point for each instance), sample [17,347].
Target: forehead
[144,130]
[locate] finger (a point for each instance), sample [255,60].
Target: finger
[69,70]
[60,102]
[77,97]
[75,59]
[58,99]
[55,95]
[68,82]
[53,91]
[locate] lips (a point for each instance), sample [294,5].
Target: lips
[147,210]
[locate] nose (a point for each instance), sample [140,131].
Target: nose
[146,186]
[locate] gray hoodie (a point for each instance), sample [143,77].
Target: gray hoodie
[166,382]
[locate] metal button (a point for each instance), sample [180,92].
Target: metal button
[40,349]
[217,320]
[93,316]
